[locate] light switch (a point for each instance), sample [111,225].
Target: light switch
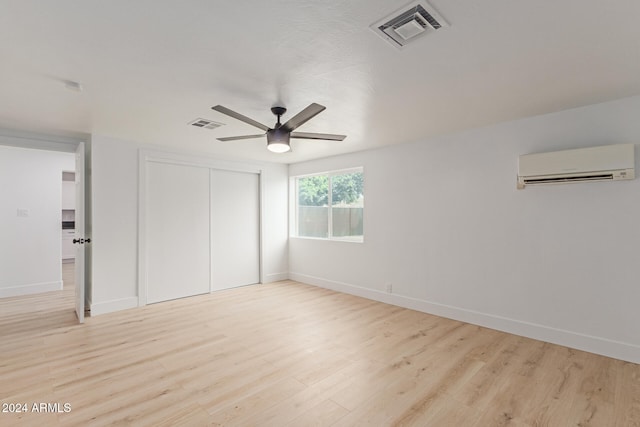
[23,213]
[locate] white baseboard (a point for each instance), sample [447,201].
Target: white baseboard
[113,305]
[275,277]
[33,288]
[603,346]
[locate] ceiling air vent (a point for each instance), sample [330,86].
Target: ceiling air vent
[409,23]
[205,124]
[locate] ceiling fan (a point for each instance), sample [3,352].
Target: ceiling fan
[278,136]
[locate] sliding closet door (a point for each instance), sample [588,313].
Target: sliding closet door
[177,234]
[235,229]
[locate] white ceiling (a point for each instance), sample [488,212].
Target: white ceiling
[149,67]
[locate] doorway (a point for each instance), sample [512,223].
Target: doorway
[32,232]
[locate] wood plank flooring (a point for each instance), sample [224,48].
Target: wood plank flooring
[288,354]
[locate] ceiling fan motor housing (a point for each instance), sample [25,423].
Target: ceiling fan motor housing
[278,140]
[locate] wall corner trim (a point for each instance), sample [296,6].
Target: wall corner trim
[276,277]
[113,305]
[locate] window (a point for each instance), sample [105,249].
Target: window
[330,205]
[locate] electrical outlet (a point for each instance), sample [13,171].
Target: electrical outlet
[389,288]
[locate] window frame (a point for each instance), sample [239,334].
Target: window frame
[296,211]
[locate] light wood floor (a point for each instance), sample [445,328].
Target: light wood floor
[288,354]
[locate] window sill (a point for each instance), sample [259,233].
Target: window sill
[334,239]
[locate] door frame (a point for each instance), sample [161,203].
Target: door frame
[146,156]
[80,238]
[66,145]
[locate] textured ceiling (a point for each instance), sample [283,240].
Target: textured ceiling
[149,67]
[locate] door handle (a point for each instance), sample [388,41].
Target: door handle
[81,241]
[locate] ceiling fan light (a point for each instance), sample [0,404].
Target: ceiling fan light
[278,141]
[278,147]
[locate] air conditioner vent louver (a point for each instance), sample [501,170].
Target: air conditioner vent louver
[409,24]
[205,124]
[558,179]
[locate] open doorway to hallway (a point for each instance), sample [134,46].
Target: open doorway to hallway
[34,270]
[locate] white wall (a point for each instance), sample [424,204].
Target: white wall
[446,226]
[114,169]
[30,247]
[114,204]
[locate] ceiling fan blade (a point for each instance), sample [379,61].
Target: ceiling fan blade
[236,138]
[238,116]
[324,136]
[303,116]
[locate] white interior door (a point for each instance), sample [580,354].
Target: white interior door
[79,233]
[235,229]
[177,231]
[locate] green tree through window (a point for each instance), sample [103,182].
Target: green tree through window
[346,188]
[313,191]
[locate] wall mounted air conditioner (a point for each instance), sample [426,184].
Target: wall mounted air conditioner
[605,163]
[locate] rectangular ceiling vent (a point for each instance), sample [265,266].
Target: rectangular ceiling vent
[409,24]
[205,124]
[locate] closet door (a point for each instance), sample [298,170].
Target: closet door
[235,229]
[177,221]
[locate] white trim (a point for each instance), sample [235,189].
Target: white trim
[360,239]
[332,172]
[261,227]
[603,346]
[210,256]
[142,228]
[32,288]
[80,232]
[28,140]
[275,277]
[113,305]
[292,219]
[199,161]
